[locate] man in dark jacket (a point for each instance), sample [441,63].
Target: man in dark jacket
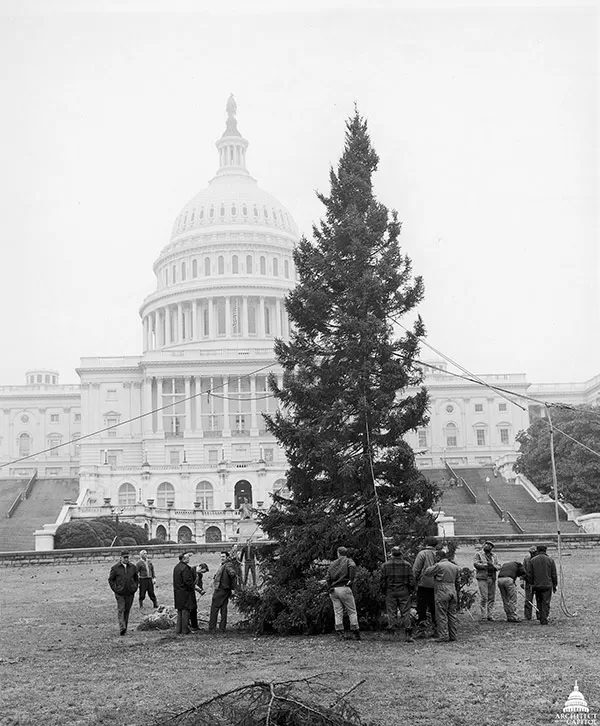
[528,607]
[508,590]
[544,582]
[425,597]
[184,580]
[225,581]
[248,557]
[398,582]
[123,581]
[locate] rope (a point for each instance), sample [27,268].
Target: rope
[374,485]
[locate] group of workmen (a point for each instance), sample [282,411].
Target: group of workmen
[434,579]
[433,582]
[125,579]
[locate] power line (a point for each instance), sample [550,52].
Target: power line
[134,418]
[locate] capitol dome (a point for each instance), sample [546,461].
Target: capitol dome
[576,703]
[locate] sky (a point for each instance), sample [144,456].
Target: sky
[485,118]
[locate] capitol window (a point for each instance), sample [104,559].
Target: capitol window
[54,418]
[234,265]
[263,266]
[251,318]
[286,269]
[212,212]
[207,266]
[275,267]
[194,268]
[221,265]
[478,407]
[504,437]
[480,433]
[126,495]
[24,444]
[266,213]
[174,274]
[222,210]
[245,210]
[249,264]
[233,210]
[255,211]
[204,493]
[502,407]
[183,272]
[165,494]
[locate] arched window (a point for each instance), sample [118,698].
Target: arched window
[245,210]
[207,266]
[504,431]
[167,276]
[451,435]
[213,534]
[202,213]
[263,266]
[126,495]
[161,532]
[286,269]
[222,210]
[76,445]
[165,494]
[248,264]
[234,265]
[205,495]
[194,268]
[183,272]
[212,212]
[184,535]
[233,210]
[221,265]
[54,440]
[275,267]
[251,317]
[174,274]
[255,211]
[265,213]
[24,444]
[480,435]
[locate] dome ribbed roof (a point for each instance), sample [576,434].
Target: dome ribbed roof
[233,197]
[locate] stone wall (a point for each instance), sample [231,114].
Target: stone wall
[106,554]
[524,541]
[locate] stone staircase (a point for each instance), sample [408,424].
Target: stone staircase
[42,507]
[481,518]
[9,488]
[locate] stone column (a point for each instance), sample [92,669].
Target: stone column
[226,421]
[194,326]
[277,327]
[212,318]
[261,318]
[147,406]
[188,406]
[244,320]
[168,330]
[159,403]
[179,322]
[228,326]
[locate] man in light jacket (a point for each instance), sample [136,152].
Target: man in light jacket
[146,578]
[446,585]
[486,568]
[425,595]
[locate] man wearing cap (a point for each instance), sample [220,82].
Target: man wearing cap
[340,577]
[225,581]
[446,586]
[398,582]
[184,580]
[425,596]
[528,607]
[145,570]
[486,568]
[544,582]
[123,581]
[508,590]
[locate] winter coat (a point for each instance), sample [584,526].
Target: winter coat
[183,587]
[225,577]
[542,571]
[123,579]
[445,579]
[424,559]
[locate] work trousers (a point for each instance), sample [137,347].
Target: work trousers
[183,621]
[508,591]
[425,602]
[487,590]
[528,607]
[446,607]
[218,605]
[147,586]
[397,606]
[542,601]
[342,599]
[250,568]
[124,603]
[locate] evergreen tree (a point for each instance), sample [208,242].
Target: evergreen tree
[343,401]
[578,469]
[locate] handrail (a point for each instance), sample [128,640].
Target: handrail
[470,492]
[499,511]
[30,484]
[15,504]
[514,523]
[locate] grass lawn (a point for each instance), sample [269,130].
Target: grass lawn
[62,660]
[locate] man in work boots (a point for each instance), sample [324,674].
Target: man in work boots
[508,589]
[340,577]
[123,581]
[544,582]
[147,580]
[425,597]
[486,568]
[398,582]
[528,607]
[446,585]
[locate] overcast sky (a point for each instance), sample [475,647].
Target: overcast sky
[485,119]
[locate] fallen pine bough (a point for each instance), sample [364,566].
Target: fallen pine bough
[303,702]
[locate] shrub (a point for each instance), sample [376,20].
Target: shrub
[100,532]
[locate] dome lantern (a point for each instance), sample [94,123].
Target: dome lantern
[232,145]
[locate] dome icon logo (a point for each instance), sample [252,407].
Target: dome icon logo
[576,710]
